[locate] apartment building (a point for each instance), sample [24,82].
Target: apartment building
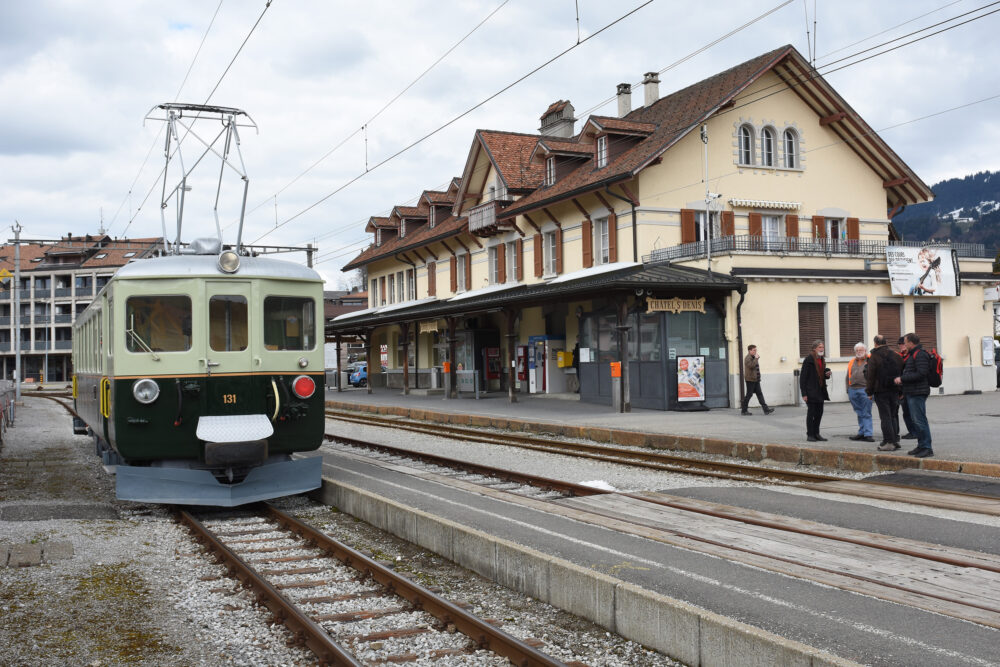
[753,207]
[58,280]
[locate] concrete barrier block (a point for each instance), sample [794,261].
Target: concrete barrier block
[583,592]
[749,451]
[986,469]
[858,461]
[783,453]
[400,522]
[820,457]
[522,569]
[895,462]
[721,447]
[53,551]
[661,623]
[25,555]
[476,551]
[432,534]
[728,642]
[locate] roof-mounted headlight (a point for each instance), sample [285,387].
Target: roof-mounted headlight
[229,262]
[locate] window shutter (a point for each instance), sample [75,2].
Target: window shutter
[852,327]
[454,274]
[811,326]
[501,263]
[559,250]
[728,224]
[792,231]
[588,243]
[612,238]
[432,271]
[468,270]
[539,263]
[925,324]
[519,259]
[889,322]
[756,225]
[687,226]
[853,229]
[819,227]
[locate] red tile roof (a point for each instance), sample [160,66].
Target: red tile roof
[510,153]
[611,123]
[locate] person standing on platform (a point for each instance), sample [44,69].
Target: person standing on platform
[857,384]
[916,388]
[884,366]
[812,384]
[910,434]
[576,363]
[751,373]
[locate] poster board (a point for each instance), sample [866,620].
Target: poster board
[929,271]
[690,379]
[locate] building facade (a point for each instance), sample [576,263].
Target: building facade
[58,280]
[753,207]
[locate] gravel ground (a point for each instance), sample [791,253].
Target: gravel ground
[138,590]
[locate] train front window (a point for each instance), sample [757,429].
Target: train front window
[158,324]
[289,323]
[227,323]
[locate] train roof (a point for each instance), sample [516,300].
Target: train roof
[192,266]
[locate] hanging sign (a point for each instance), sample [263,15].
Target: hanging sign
[428,327]
[675,305]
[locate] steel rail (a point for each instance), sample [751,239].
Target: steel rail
[304,628]
[482,633]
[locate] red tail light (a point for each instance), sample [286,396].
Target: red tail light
[303,386]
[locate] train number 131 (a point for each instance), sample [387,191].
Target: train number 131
[229,398]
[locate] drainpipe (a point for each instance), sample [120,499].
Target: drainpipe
[635,231]
[742,290]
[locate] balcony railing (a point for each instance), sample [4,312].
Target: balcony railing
[783,245]
[64,319]
[483,218]
[64,291]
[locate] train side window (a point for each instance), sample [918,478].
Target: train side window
[227,323]
[289,323]
[158,324]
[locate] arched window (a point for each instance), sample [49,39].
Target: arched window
[746,144]
[791,149]
[767,147]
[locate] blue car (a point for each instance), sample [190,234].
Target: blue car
[359,378]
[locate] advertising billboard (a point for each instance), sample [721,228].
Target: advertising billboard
[691,378]
[927,271]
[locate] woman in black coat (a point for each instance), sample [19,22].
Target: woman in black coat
[812,383]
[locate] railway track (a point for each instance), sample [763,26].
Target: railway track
[657,460]
[954,582]
[347,608]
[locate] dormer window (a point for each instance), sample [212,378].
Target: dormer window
[550,171]
[602,152]
[431,215]
[402,228]
[378,237]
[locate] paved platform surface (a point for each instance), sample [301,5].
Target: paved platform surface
[965,428]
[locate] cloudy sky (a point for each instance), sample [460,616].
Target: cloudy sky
[77,79]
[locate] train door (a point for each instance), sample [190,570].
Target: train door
[228,349]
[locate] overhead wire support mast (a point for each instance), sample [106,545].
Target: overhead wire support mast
[229,135]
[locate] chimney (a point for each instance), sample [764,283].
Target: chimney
[624,99]
[651,82]
[557,121]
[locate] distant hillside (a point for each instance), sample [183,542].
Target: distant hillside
[964,210]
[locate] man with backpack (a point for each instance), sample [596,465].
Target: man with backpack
[914,381]
[884,366]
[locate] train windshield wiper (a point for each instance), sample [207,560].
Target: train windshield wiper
[138,339]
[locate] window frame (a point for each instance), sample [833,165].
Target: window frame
[550,171]
[602,247]
[852,325]
[549,253]
[511,260]
[602,151]
[809,330]
[745,145]
[767,146]
[790,148]
[461,278]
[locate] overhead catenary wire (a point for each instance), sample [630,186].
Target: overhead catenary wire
[458,117]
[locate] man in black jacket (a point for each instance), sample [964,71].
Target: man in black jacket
[916,389]
[884,366]
[812,384]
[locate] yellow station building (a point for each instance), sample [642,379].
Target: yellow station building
[752,207]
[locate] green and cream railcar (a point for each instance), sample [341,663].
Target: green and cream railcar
[201,376]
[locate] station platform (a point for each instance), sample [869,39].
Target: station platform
[963,427]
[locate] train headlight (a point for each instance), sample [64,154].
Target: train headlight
[229,262]
[145,391]
[303,386]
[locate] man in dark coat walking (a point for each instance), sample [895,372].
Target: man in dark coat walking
[916,389]
[812,384]
[884,366]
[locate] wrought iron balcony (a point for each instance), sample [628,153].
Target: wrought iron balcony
[784,245]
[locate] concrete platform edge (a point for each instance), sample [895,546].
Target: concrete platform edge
[840,460]
[675,628]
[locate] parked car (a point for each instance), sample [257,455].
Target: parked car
[359,377]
